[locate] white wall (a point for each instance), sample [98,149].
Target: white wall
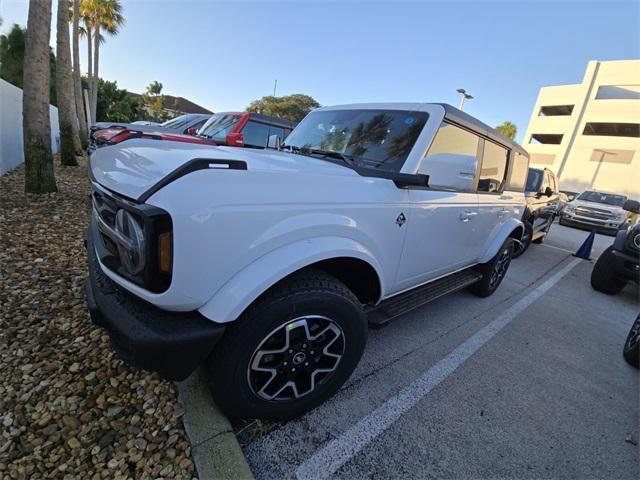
[11,148]
[610,93]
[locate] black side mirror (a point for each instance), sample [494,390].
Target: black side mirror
[632,206]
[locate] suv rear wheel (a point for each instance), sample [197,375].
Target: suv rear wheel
[493,271]
[290,351]
[522,245]
[603,277]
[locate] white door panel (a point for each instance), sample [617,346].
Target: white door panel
[441,229]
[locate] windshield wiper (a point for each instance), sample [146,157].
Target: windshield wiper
[347,159]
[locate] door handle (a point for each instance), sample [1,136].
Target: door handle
[503,212]
[466,216]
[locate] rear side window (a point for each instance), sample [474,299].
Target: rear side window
[255,134]
[518,171]
[494,167]
[452,159]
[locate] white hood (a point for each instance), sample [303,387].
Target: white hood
[132,167]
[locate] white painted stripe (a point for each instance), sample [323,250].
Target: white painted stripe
[326,461]
[556,248]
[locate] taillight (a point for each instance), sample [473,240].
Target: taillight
[122,136]
[108,133]
[235,139]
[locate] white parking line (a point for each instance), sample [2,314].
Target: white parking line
[326,461]
[556,248]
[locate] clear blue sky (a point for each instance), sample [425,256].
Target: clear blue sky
[222,55]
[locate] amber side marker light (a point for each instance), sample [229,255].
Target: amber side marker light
[164,250]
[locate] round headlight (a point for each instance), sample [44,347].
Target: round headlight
[130,242]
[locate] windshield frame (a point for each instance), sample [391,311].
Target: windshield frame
[539,184]
[402,162]
[414,158]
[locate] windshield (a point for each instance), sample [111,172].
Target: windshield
[606,198]
[219,125]
[534,180]
[176,122]
[379,139]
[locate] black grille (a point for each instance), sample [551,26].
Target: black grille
[594,213]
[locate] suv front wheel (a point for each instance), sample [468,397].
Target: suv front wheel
[290,351]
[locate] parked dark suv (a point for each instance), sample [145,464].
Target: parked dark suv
[543,199]
[620,263]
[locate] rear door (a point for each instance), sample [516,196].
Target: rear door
[495,205]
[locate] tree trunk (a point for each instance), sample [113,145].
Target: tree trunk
[89,72]
[64,86]
[96,63]
[77,84]
[36,125]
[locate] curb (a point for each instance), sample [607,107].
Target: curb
[215,450]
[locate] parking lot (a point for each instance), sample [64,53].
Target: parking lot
[527,383]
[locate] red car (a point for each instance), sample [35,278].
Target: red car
[237,129]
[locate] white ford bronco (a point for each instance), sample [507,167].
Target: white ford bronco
[267,266]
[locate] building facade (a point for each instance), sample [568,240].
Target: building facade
[589,134]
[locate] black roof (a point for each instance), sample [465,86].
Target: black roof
[472,123]
[277,121]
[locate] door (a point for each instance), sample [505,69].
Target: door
[442,225]
[440,232]
[544,207]
[495,205]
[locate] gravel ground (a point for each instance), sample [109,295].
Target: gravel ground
[69,408]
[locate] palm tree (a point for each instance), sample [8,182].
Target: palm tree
[508,129]
[36,126]
[77,83]
[98,16]
[64,87]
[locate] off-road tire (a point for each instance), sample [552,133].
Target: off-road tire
[603,277]
[488,284]
[631,351]
[304,295]
[525,241]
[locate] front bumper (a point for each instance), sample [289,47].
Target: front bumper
[170,343]
[591,223]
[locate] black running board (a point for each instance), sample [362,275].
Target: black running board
[380,315]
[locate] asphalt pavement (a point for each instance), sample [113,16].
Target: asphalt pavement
[527,383]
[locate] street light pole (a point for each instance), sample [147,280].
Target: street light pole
[463,96]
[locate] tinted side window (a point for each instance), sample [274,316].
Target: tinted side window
[494,166]
[276,131]
[452,159]
[518,171]
[199,124]
[255,134]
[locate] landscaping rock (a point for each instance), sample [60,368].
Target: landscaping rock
[69,407]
